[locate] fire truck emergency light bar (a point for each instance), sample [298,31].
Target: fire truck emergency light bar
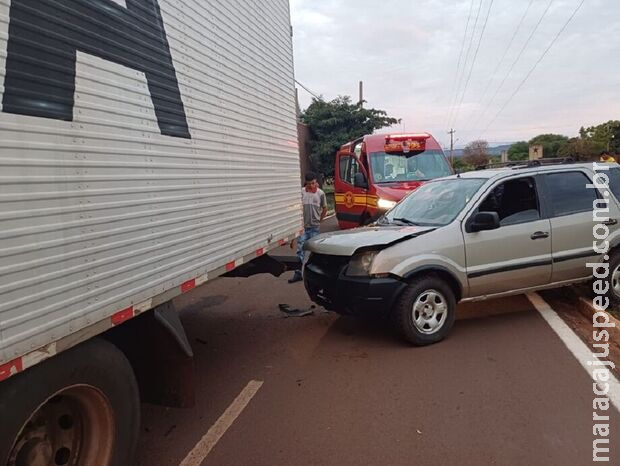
[405,143]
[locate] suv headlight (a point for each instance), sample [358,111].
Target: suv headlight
[360,264]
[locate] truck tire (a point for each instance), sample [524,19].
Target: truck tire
[79,408]
[425,311]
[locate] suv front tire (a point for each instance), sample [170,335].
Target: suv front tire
[425,312]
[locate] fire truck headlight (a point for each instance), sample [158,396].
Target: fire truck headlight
[385,204]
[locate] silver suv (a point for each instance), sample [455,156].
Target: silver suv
[474,236]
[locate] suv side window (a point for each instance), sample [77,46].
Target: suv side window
[568,194]
[515,201]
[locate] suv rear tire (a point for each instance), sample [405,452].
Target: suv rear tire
[425,312]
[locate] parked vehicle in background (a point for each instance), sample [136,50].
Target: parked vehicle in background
[146,147]
[376,171]
[479,235]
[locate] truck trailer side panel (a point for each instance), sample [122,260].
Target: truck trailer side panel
[143,143]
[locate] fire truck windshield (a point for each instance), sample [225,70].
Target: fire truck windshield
[389,168]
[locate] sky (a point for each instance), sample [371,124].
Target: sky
[407,54]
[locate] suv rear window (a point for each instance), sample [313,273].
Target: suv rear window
[568,193]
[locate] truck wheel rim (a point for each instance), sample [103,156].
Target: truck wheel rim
[430,311]
[615,280]
[75,427]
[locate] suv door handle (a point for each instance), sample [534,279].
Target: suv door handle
[611,221]
[540,235]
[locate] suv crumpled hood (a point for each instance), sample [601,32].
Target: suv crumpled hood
[347,242]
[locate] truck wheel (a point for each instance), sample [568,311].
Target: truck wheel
[614,278]
[425,312]
[80,408]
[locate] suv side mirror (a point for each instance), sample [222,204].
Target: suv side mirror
[484,221]
[360,181]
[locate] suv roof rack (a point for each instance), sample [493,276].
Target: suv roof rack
[521,164]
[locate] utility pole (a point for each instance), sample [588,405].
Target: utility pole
[361,101]
[451,133]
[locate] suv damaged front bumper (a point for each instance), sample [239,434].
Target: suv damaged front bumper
[328,286]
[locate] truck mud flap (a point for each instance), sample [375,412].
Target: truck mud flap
[157,347]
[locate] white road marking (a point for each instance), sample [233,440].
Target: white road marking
[575,345]
[217,430]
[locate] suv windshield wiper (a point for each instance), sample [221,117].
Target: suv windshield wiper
[383,220]
[405,221]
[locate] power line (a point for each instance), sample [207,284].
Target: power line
[535,65]
[514,63]
[471,41]
[473,64]
[505,54]
[458,66]
[308,90]
[461,75]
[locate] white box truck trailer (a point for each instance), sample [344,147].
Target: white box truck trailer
[146,147]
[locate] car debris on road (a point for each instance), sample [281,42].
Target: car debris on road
[296,312]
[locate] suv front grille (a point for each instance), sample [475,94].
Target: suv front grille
[328,264]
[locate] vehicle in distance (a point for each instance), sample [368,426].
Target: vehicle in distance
[376,171]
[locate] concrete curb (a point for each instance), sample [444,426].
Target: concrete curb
[586,308]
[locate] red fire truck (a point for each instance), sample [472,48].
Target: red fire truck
[376,171]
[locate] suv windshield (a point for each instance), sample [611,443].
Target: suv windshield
[388,168]
[436,203]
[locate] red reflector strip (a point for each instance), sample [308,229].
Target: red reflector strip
[260,252]
[11,368]
[230,266]
[122,316]
[188,285]
[282,242]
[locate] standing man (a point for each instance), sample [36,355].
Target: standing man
[315,207]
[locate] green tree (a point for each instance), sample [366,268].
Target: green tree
[605,136]
[614,144]
[581,149]
[337,122]
[519,151]
[460,166]
[551,143]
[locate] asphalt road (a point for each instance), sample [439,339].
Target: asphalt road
[501,389]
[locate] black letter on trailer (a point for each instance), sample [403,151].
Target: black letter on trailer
[44,36]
